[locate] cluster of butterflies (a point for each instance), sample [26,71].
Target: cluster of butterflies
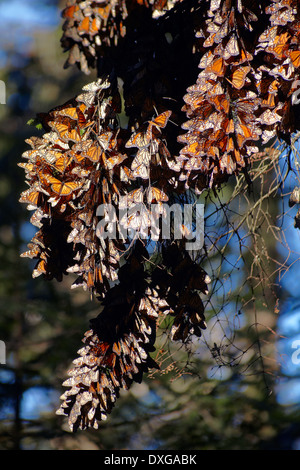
[243,94]
[117,348]
[69,176]
[118,345]
[91,26]
[85,159]
[78,165]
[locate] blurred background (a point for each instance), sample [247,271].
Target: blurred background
[198,402]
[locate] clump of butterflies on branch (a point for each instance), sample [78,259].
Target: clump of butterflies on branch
[203,86]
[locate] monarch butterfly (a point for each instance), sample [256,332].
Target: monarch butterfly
[193,149]
[222,32]
[64,132]
[142,158]
[278,17]
[220,102]
[204,111]
[36,217]
[217,67]
[148,307]
[78,156]
[35,142]
[103,12]
[52,137]
[63,188]
[84,25]
[269,117]
[114,160]
[125,174]
[104,139]
[96,86]
[228,126]
[285,70]
[52,155]
[244,56]
[244,108]
[62,163]
[232,48]
[33,252]
[138,139]
[245,132]
[195,163]
[140,165]
[141,171]
[227,163]
[159,122]
[230,145]
[137,219]
[88,99]
[74,55]
[67,112]
[117,348]
[87,216]
[239,76]
[81,172]
[156,195]
[68,12]
[41,268]
[31,196]
[279,45]
[269,102]
[210,40]
[295,58]
[134,197]
[90,281]
[93,153]
[95,26]
[267,37]
[206,59]
[194,99]
[28,167]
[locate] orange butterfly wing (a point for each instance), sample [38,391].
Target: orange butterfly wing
[63,188]
[295,58]
[239,77]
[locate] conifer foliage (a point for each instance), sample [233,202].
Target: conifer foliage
[204,84]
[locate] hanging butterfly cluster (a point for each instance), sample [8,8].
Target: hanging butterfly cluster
[243,93]
[72,170]
[249,68]
[91,27]
[69,173]
[117,348]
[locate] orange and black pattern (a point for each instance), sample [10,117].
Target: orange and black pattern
[203,86]
[180,281]
[89,28]
[117,348]
[242,96]
[69,171]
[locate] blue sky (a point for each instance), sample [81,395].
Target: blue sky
[20,19]
[28,14]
